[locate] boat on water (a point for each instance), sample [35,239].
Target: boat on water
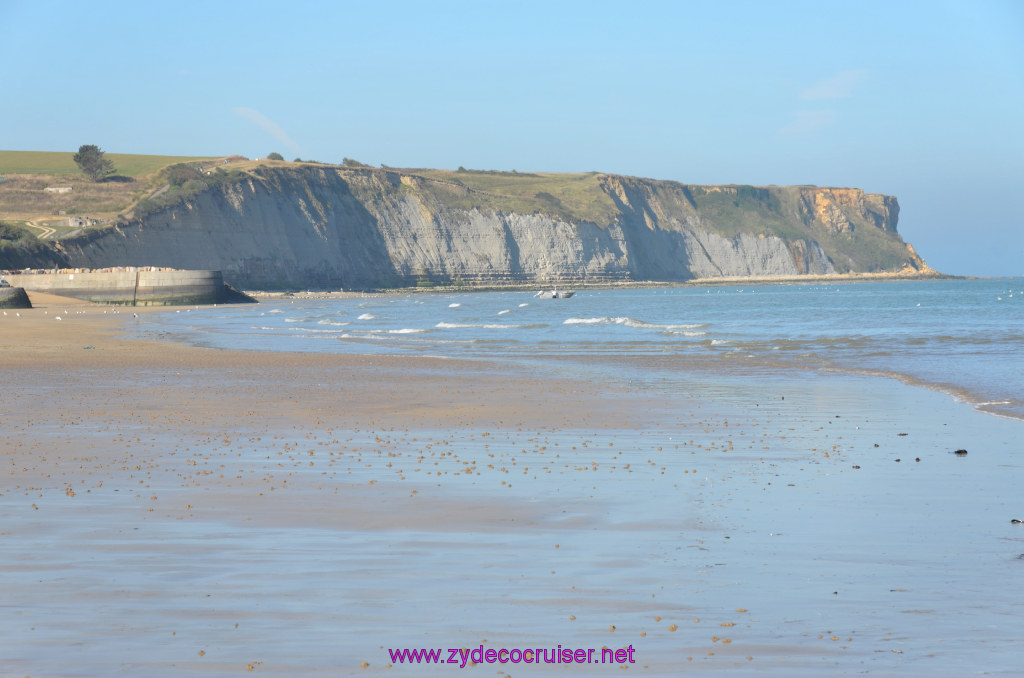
[554,294]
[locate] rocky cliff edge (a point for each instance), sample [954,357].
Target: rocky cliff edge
[298,225]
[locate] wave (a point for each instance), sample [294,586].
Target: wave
[366,316]
[325,321]
[454,305]
[591,321]
[290,331]
[487,326]
[313,330]
[633,322]
[400,337]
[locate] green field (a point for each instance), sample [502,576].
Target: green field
[572,196]
[43,162]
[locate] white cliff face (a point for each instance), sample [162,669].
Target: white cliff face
[712,255]
[480,244]
[325,228]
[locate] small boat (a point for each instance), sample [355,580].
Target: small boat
[554,294]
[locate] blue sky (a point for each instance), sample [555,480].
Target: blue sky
[921,100]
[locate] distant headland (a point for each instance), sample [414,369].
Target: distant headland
[273,224]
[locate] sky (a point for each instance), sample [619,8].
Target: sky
[921,100]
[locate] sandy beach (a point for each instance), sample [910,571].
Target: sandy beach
[175,510]
[76,372]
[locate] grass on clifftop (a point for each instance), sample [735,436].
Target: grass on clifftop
[24,198]
[575,197]
[43,162]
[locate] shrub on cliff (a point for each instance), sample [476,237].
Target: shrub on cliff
[10,234]
[178,175]
[20,248]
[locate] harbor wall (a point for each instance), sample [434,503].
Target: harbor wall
[132,286]
[14,297]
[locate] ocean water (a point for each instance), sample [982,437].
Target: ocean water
[962,337]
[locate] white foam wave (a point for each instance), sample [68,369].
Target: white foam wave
[366,316]
[504,312]
[487,326]
[313,330]
[588,321]
[671,327]
[409,330]
[389,335]
[325,321]
[523,304]
[455,305]
[633,322]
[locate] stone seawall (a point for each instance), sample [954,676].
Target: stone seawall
[14,297]
[129,287]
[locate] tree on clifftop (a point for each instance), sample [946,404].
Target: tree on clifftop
[90,159]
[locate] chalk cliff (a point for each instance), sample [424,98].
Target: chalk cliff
[289,225]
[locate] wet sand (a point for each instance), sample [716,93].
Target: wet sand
[172,510]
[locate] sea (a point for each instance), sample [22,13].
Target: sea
[962,337]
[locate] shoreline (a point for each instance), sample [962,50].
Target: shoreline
[108,346]
[955,392]
[89,337]
[628,284]
[439,288]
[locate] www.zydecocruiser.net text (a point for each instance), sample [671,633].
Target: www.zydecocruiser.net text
[463,657]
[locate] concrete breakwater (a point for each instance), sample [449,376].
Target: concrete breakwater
[133,286]
[14,297]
